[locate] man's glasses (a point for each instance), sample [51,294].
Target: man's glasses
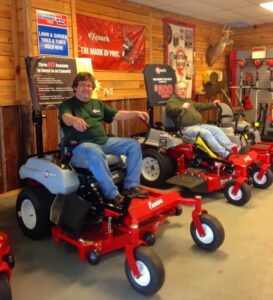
[86,85]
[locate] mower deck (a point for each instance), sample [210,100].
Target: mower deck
[127,231]
[6,259]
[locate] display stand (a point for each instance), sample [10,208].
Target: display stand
[260,91]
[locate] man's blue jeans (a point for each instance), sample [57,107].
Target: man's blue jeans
[213,136]
[95,155]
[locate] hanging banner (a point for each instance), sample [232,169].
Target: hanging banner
[50,78]
[179,51]
[52,33]
[110,45]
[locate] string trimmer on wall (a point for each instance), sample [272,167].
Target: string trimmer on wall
[248,84]
[245,86]
[269,63]
[242,64]
[257,63]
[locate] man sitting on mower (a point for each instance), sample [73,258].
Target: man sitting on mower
[81,116]
[186,115]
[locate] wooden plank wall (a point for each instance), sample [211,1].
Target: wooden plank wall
[130,85]
[7,74]
[152,19]
[254,36]
[18,38]
[10,125]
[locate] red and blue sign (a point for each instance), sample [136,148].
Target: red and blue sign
[52,33]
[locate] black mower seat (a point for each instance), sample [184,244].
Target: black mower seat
[167,121]
[170,126]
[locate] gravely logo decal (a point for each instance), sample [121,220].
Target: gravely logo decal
[155,204]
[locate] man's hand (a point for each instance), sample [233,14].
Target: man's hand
[143,115]
[216,102]
[186,105]
[79,124]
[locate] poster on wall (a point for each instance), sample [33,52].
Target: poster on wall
[52,33]
[159,81]
[50,78]
[179,51]
[110,45]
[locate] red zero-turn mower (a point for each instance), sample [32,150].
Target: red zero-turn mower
[242,132]
[6,264]
[168,158]
[69,197]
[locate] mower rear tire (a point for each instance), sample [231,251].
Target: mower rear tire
[214,233]
[263,183]
[242,196]
[5,290]
[156,168]
[152,272]
[33,211]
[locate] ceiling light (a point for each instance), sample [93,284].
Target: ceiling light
[267,5]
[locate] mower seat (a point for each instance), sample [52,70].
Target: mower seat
[170,126]
[227,118]
[167,121]
[66,146]
[112,160]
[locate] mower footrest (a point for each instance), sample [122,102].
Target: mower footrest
[193,182]
[261,146]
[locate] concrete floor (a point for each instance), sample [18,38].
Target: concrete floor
[242,268]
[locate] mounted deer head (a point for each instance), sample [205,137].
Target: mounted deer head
[215,51]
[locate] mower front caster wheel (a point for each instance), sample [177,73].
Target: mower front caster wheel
[264,182]
[93,257]
[241,197]
[214,233]
[152,273]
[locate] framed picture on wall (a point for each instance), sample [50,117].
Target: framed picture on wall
[179,51]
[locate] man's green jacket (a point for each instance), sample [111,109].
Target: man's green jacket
[189,117]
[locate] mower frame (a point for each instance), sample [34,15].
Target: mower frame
[232,175]
[76,202]
[6,266]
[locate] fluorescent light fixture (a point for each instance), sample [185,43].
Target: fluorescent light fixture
[267,5]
